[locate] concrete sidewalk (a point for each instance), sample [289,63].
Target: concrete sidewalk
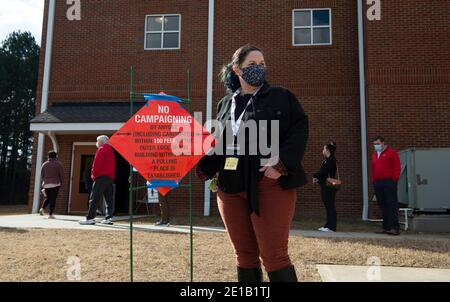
[365,235]
[35,221]
[121,224]
[351,273]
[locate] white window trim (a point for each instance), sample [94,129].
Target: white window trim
[162,32]
[311,26]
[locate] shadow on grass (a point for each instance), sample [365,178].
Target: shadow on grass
[8,210]
[440,245]
[12,230]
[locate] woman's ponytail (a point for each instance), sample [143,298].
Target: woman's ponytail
[331,147]
[229,78]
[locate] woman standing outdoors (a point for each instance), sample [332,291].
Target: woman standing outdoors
[52,174]
[328,170]
[256,199]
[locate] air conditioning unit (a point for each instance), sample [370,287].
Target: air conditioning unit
[424,183]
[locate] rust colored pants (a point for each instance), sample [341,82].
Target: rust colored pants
[262,237]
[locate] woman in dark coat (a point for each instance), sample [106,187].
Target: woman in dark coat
[328,194]
[257,190]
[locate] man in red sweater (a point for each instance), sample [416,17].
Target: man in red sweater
[103,174]
[385,175]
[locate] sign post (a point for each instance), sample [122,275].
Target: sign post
[163,142]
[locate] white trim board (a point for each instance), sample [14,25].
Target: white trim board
[209,96]
[74,127]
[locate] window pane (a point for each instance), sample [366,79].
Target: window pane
[171,23]
[154,23]
[321,17]
[171,40]
[302,18]
[302,36]
[153,41]
[321,35]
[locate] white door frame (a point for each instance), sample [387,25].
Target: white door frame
[71,169]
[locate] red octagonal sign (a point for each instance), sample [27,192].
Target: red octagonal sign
[162,141]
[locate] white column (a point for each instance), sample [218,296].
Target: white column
[209,92]
[37,179]
[44,101]
[48,54]
[362,100]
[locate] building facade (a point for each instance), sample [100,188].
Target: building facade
[312,47]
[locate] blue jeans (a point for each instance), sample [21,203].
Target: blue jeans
[386,193]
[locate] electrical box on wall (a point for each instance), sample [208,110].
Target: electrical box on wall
[424,182]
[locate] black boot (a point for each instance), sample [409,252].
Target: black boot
[286,274]
[249,274]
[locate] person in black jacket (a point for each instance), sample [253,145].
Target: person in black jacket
[328,169]
[257,192]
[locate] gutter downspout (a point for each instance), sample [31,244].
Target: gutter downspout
[44,101]
[209,94]
[362,100]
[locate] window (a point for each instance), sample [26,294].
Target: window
[311,27]
[162,32]
[85,184]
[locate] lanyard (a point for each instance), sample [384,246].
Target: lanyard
[235,124]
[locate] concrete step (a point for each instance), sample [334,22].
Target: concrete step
[376,273]
[431,223]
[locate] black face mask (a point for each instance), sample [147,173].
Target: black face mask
[254,75]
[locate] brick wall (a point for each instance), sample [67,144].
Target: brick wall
[407,72]
[324,78]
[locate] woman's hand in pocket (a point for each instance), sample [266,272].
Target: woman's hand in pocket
[270,172]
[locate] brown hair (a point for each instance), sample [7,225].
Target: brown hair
[227,75]
[331,147]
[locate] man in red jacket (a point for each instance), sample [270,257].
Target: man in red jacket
[385,175]
[103,174]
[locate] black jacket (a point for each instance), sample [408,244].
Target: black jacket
[270,103]
[327,169]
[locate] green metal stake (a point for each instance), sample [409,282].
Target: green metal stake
[131,189]
[130,209]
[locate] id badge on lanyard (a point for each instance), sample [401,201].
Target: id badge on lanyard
[231,163]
